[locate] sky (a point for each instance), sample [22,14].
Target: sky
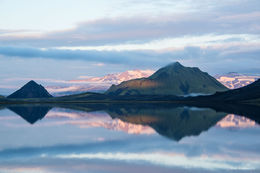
[65,39]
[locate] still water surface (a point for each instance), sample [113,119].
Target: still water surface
[79,138]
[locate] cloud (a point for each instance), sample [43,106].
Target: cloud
[247,41]
[139,29]
[112,57]
[208,58]
[37,79]
[93,56]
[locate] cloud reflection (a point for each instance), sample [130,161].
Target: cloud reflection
[169,159]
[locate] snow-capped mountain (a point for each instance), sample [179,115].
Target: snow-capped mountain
[235,80]
[97,84]
[115,78]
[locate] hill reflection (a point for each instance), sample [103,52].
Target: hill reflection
[173,122]
[30,113]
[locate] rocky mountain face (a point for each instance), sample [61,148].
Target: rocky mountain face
[174,79]
[31,90]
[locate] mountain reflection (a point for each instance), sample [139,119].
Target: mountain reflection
[30,113]
[172,121]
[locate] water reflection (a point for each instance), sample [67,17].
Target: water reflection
[233,121]
[169,120]
[173,122]
[97,119]
[127,138]
[30,113]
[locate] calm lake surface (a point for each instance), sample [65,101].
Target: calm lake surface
[138,138]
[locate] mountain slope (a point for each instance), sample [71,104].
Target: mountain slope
[173,79]
[31,90]
[249,93]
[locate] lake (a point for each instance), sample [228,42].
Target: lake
[126,138]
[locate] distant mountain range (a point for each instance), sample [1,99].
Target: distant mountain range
[172,83]
[231,80]
[97,84]
[173,79]
[117,77]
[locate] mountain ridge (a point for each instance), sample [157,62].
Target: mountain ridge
[100,84]
[249,94]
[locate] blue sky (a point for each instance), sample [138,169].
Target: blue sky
[64,39]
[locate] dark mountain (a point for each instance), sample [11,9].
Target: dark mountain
[1,97]
[173,79]
[31,90]
[249,94]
